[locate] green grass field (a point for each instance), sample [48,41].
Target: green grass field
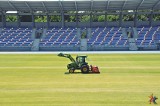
[39,80]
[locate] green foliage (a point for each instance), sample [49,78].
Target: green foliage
[70,18]
[128,18]
[85,18]
[101,18]
[144,17]
[156,17]
[84,34]
[40,18]
[112,17]
[55,18]
[11,18]
[95,18]
[98,18]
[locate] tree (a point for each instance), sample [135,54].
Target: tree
[85,18]
[128,17]
[40,18]
[112,17]
[143,17]
[156,17]
[55,18]
[70,18]
[95,18]
[11,18]
[101,18]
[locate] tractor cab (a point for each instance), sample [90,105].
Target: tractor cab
[81,60]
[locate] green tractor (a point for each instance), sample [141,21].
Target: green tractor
[79,64]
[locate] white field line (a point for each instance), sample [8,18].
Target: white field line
[86,52]
[37,67]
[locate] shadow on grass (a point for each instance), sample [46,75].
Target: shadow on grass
[81,73]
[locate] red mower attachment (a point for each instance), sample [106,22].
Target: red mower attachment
[94,69]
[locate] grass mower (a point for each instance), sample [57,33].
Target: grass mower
[79,64]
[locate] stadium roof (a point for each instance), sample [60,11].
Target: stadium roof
[77,5]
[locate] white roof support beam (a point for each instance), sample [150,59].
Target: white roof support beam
[60,6]
[107,4]
[12,5]
[139,5]
[28,6]
[44,6]
[91,5]
[75,3]
[1,9]
[124,4]
[155,5]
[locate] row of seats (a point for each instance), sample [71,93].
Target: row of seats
[147,36]
[16,37]
[99,36]
[55,37]
[107,36]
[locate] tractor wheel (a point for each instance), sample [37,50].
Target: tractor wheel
[71,70]
[85,69]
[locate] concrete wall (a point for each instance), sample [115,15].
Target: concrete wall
[142,23]
[70,24]
[41,24]
[59,48]
[55,24]
[127,24]
[11,24]
[112,24]
[97,24]
[26,24]
[156,23]
[15,48]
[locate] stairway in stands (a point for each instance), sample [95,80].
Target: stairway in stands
[131,35]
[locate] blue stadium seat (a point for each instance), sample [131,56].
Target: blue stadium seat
[60,37]
[147,36]
[16,37]
[109,36]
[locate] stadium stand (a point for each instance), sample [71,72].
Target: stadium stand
[107,36]
[148,36]
[109,25]
[60,37]
[16,37]
[67,38]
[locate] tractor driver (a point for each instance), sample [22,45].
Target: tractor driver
[80,60]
